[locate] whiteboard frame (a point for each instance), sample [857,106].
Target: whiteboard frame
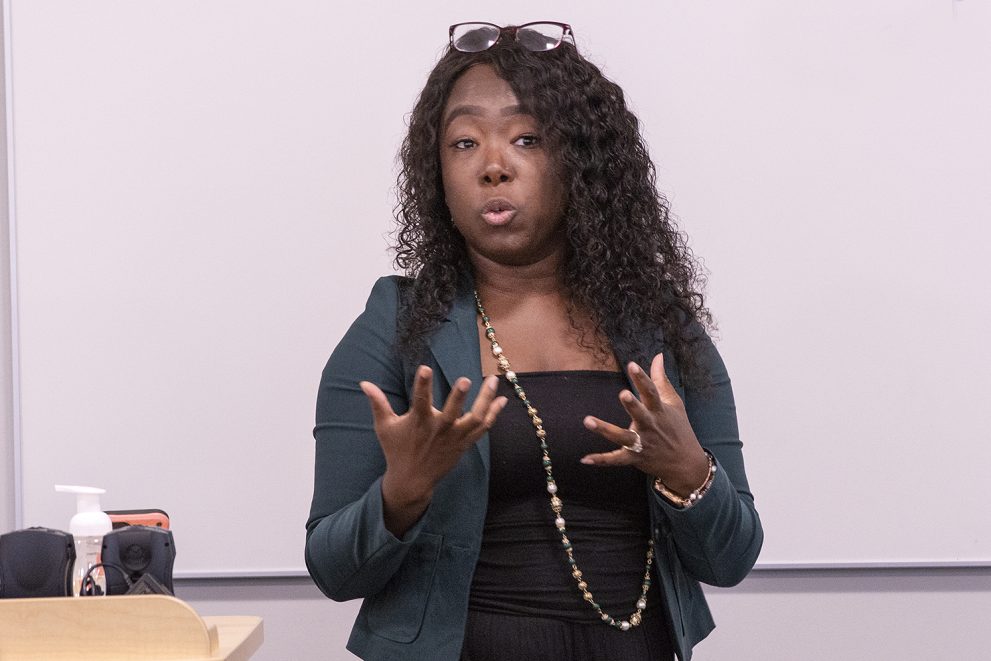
[759,567]
[17,439]
[15,363]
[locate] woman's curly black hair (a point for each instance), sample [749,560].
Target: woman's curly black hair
[627,264]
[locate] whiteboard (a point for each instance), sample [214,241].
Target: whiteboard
[201,193]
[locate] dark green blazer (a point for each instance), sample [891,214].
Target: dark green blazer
[415,589]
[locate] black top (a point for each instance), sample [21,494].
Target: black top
[522,568]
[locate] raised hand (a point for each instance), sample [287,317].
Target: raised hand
[423,444]
[671,451]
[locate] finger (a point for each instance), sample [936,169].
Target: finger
[660,377]
[381,409]
[645,386]
[607,430]
[475,432]
[423,399]
[456,400]
[486,395]
[494,410]
[639,413]
[472,423]
[615,458]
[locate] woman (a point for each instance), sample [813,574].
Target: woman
[566,506]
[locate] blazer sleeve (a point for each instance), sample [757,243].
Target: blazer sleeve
[718,539]
[349,552]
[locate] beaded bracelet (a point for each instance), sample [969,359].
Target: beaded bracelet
[693,497]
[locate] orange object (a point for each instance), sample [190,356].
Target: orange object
[153,518]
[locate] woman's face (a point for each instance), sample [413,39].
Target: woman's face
[501,184]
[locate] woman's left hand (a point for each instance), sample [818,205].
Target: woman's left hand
[670,449]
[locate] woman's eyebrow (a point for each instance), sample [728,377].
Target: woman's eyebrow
[479,111]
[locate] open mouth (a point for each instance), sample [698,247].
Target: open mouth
[498,211]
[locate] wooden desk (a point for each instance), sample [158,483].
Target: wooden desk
[122,628]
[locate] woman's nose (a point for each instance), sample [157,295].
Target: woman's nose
[497,170]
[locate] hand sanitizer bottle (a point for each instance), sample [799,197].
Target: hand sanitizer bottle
[88,527]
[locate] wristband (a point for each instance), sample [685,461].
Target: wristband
[693,497]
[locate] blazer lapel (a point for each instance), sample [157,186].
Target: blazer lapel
[454,346]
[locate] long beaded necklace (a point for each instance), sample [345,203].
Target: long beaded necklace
[557,505]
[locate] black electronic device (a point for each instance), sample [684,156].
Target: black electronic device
[138,550]
[36,562]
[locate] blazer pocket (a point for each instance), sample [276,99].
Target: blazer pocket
[397,611]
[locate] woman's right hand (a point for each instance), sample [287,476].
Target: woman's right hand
[422,445]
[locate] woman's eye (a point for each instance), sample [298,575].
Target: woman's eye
[527,140]
[464,143]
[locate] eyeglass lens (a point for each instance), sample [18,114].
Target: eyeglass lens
[476,37]
[540,36]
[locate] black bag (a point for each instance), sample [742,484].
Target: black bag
[139,551]
[36,562]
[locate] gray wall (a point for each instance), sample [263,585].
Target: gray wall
[775,615]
